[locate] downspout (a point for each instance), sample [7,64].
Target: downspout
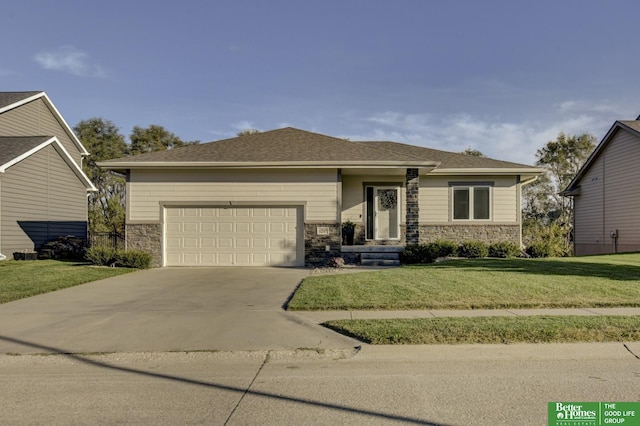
[3,257]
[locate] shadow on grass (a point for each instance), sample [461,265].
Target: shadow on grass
[558,267]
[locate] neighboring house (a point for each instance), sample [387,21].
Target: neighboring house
[606,194]
[43,191]
[280,197]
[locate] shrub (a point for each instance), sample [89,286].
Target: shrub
[101,256]
[106,256]
[473,249]
[548,241]
[540,249]
[133,259]
[419,253]
[445,248]
[504,249]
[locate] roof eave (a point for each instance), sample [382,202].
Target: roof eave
[119,165]
[534,171]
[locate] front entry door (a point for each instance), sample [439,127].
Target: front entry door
[383,212]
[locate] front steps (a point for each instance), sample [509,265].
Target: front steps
[376,255]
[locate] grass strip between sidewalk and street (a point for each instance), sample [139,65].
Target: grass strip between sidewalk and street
[21,279]
[575,282]
[535,329]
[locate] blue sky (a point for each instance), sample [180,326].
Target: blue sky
[503,77]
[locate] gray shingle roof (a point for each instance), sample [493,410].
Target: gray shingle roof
[289,145]
[14,146]
[10,98]
[634,124]
[281,145]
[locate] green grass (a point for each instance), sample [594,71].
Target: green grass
[537,329]
[20,279]
[578,282]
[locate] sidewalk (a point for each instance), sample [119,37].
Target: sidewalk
[322,316]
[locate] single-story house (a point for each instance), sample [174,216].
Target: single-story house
[43,190]
[606,197]
[280,198]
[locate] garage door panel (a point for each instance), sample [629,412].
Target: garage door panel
[225,242]
[260,227]
[260,242]
[225,227]
[257,236]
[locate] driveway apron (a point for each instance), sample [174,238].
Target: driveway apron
[169,309]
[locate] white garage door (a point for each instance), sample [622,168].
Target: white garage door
[246,236]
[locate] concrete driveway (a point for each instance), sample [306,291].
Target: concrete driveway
[170,309]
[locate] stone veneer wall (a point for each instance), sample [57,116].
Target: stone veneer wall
[412,231]
[315,252]
[147,237]
[488,233]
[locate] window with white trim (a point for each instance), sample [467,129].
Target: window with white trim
[472,202]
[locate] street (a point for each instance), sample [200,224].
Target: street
[443,385]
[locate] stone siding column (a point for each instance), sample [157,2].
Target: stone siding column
[413,208]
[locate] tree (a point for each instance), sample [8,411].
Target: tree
[103,141]
[154,138]
[542,202]
[473,152]
[247,132]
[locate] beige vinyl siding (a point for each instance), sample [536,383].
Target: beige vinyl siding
[588,206]
[610,198]
[36,119]
[621,191]
[435,198]
[353,207]
[147,189]
[41,199]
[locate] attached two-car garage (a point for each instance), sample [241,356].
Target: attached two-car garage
[234,235]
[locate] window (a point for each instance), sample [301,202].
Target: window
[471,202]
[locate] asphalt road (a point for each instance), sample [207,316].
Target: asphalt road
[444,385]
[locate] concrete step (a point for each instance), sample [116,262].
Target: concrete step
[381,256]
[379,262]
[372,249]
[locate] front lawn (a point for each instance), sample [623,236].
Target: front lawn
[577,282]
[537,329]
[20,279]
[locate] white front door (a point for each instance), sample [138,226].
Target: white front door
[383,203]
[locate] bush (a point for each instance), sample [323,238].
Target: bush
[419,253]
[504,249]
[540,249]
[548,241]
[473,249]
[106,256]
[101,256]
[445,248]
[137,259]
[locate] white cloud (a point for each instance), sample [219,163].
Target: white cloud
[500,139]
[243,125]
[71,60]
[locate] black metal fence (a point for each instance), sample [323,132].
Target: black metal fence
[107,239]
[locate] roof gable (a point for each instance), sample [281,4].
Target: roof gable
[16,149]
[12,100]
[631,126]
